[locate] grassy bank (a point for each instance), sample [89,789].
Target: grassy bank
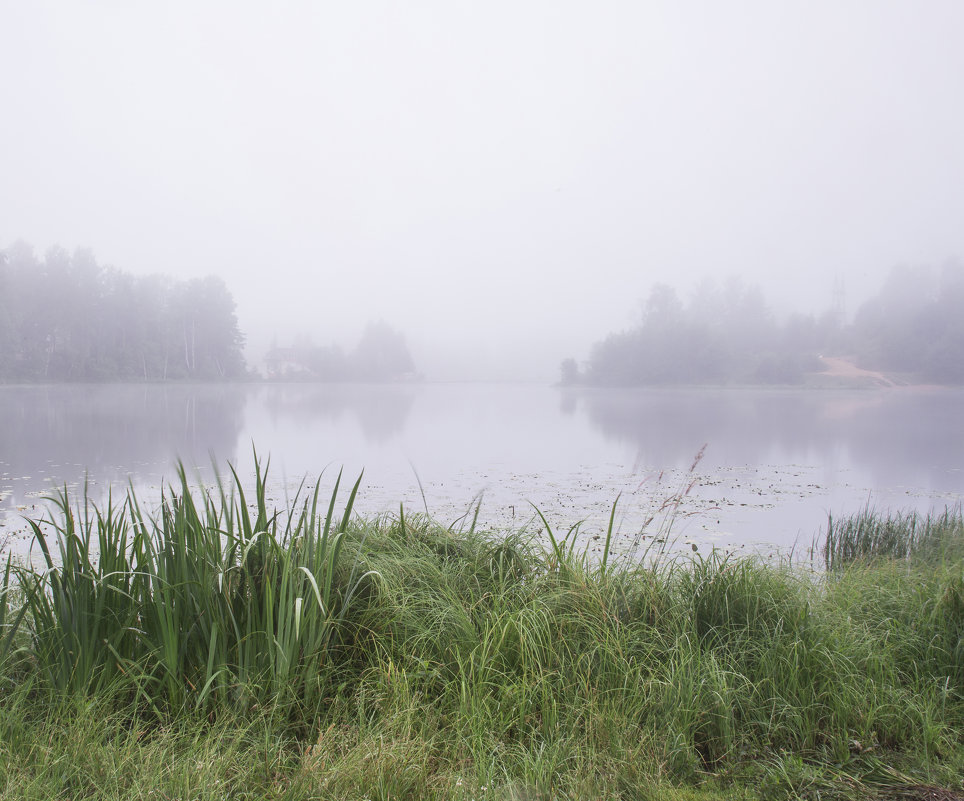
[213,648]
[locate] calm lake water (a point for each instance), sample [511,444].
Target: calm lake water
[775,463]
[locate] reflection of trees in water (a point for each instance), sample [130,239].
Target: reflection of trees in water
[923,430]
[62,431]
[381,409]
[669,426]
[889,434]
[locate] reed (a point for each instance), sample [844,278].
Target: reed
[869,535]
[206,603]
[8,628]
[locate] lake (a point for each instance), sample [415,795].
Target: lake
[774,462]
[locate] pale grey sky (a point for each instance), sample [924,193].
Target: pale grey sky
[503,179]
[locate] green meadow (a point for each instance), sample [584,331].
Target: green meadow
[214,647]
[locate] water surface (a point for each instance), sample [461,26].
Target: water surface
[774,463]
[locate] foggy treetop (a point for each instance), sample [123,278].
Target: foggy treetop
[912,329]
[66,318]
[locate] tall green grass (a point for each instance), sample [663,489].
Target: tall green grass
[394,658]
[208,602]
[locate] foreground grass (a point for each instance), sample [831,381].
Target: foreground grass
[215,649]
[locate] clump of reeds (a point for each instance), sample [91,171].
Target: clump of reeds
[207,602]
[869,535]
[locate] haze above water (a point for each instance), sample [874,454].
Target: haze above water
[776,461]
[502,182]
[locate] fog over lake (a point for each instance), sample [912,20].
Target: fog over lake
[502,182]
[776,461]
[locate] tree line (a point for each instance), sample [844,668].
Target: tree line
[915,324]
[727,334]
[67,318]
[381,354]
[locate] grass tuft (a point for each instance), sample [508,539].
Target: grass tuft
[207,604]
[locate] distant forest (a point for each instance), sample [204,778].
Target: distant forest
[66,318]
[913,327]
[381,355]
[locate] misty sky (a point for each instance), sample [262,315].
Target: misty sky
[498,179]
